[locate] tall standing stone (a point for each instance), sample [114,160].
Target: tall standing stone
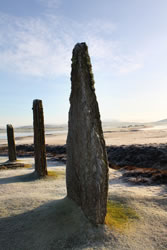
[39,139]
[11,143]
[87,165]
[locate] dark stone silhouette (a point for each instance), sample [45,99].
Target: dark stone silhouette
[39,139]
[87,166]
[11,143]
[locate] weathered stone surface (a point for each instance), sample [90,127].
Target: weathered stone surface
[39,139]
[11,143]
[87,166]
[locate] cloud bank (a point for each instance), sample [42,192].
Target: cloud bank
[42,46]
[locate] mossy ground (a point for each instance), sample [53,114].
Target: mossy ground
[56,174]
[26,165]
[119,216]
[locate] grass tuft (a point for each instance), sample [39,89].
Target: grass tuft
[119,216]
[25,165]
[56,174]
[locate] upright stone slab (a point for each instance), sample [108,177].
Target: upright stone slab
[87,165]
[39,139]
[11,143]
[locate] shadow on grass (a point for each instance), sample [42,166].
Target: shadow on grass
[164,190]
[33,177]
[55,163]
[20,178]
[59,224]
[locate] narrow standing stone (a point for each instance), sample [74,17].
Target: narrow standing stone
[11,143]
[87,165]
[39,139]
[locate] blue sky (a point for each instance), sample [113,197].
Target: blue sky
[127,42]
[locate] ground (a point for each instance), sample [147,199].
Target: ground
[35,214]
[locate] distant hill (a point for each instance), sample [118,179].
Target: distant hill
[116,124]
[106,123]
[164,121]
[47,126]
[29,128]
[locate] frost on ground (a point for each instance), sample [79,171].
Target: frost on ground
[34,214]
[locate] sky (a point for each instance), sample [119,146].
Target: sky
[127,42]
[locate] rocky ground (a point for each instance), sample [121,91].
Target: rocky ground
[144,156]
[143,163]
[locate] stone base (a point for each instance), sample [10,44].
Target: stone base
[13,165]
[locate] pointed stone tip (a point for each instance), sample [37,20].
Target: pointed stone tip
[9,126]
[36,101]
[81,58]
[80,48]
[82,45]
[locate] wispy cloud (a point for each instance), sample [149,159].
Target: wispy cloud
[33,47]
[42,46]
[50,4]
[127,64]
